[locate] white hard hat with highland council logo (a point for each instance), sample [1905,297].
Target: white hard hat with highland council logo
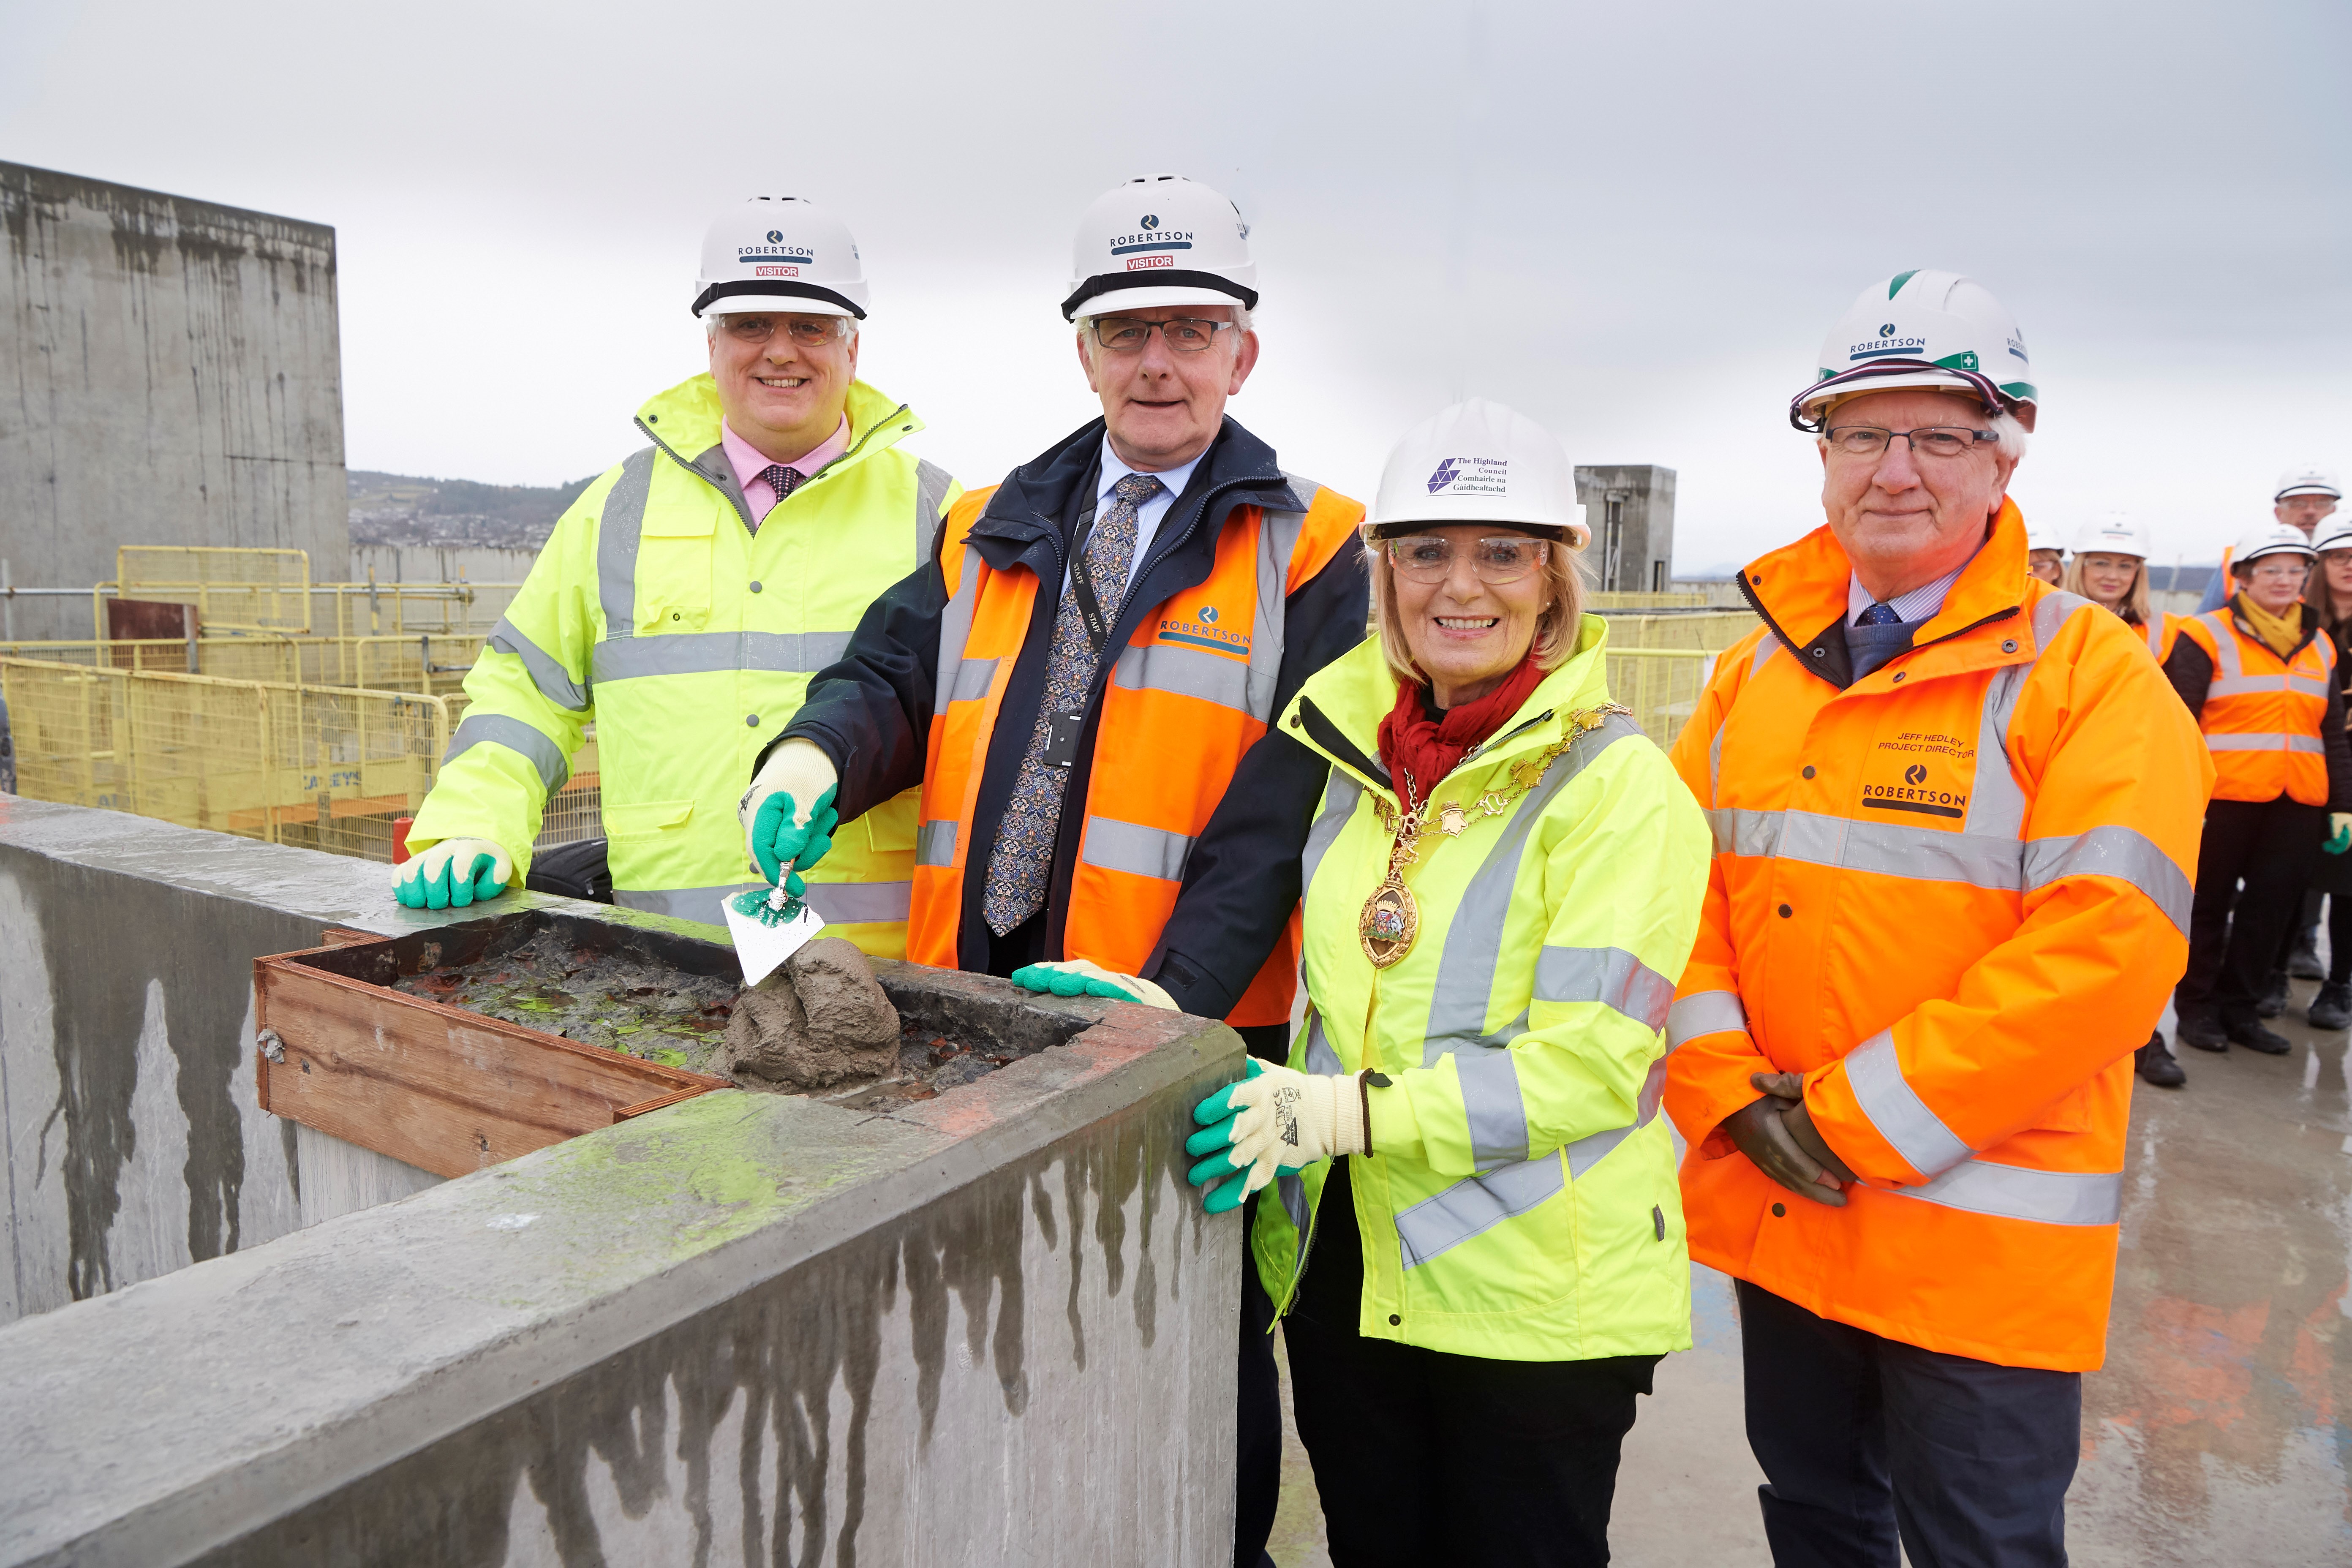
[2112,533]
[1479,462]
[2270,539]
[780,253]
[2308,481]
[1922,329]
[1160,239]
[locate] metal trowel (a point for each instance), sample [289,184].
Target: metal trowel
[768,927]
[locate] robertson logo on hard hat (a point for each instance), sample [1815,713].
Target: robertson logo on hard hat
[1887,345]
[1471,476]
[1151,238]
[795,253]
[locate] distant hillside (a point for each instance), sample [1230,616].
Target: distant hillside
[396,509]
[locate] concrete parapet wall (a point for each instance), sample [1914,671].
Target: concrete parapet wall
[992,1327]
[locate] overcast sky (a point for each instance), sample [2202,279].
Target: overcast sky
[1634,223]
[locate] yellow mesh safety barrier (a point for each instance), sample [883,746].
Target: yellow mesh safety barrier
[396,609]
[253,590]
[1661,685]
[328,768]
[1600,601]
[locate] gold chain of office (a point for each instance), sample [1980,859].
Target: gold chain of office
[1392,918]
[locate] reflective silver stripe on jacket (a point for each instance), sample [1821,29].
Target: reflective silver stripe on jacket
[2124,853]
[1704,1013]
[1321,1059]
[1608,976]
[1480,1203]
[931,486]
[935,842]
[498,728]
[1339,798]
[708,653]
[972,678]
[1133,848]
[2011,1192]
[2156,636]
[1892,1106]
[2266,742]
[1195,672]
[620,529]
[1466,970]
[836,903]
[547,673]
[2225,644]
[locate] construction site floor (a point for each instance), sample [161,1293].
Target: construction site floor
[2214,1433]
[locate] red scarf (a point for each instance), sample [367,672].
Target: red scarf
[1428,749]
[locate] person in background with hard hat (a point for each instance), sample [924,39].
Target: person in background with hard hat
[1954,816]
[2328,590]
[2303,497]
[687,597]
[2110,569]
[2259,676]
[1090,666]
[1502,877]
[2044,557]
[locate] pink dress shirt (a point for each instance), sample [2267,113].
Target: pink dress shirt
[749,463]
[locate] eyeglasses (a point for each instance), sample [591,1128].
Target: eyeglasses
[808,331]
[1182,334]
[1930,441]
[1429,558]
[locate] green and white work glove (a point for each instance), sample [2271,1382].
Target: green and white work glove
[787,814]
[1275,1121]
[2339,832]
[452,874]
[1083,977]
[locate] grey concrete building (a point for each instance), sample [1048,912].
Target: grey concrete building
[170,374]
[1631,509]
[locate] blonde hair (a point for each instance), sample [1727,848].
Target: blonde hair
[1557,628]
[2135,606]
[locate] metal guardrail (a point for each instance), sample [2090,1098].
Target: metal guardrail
[326,767]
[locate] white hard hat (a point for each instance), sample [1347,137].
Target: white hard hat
[2308,481]
[780,253]
[2041,536]
[1479,462]
[1922,328]
[1160,239]
[2271,539]
[2112,534]
[2336,533]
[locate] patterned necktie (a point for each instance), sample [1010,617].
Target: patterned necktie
[1021,862]
[780,479]
[1880,615]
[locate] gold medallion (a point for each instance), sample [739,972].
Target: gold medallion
[1390,921]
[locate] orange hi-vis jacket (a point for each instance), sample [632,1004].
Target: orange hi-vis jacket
[1191,692]
[2262,714]
[1950,894]
[2161,632]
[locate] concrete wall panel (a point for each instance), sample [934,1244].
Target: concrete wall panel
[170,374]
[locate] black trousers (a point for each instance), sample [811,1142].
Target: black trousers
[2270,845]
[1257,1413]
[1863,1439]
[1422,1458]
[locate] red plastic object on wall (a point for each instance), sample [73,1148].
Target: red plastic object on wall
[400,826]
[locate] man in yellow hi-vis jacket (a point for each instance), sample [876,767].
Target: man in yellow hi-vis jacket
[686,599]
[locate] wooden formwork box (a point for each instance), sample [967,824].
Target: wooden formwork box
[441,1088]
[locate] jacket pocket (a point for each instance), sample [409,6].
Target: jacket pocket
[674,567]
[890,827]
[645,819]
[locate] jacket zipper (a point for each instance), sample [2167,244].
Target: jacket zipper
[748,526]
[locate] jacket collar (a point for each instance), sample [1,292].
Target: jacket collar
[1800,591]
[2310,623]
[1338,712]
[684,421]
[1238,469]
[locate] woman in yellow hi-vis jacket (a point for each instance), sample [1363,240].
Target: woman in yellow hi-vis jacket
[1478,1239]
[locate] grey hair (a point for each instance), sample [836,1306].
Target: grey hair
[1243,324]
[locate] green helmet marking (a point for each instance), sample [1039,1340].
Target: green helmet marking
[1901,278]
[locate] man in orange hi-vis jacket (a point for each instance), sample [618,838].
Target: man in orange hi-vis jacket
[1955,817]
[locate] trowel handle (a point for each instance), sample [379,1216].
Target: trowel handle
[776,894]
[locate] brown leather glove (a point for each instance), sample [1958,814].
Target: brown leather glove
[1780,1140]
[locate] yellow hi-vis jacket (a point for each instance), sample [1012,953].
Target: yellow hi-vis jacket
[656,611]
[1519,1201]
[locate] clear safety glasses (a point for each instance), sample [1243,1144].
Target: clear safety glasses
[808,331]
[1429,558]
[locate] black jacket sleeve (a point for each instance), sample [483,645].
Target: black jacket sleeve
[1241,881]
[871,711]
[2191,674]
[2339,754]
